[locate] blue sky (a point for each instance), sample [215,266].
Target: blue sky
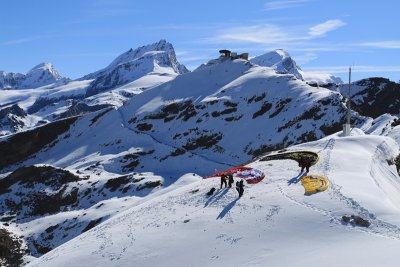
[82,36]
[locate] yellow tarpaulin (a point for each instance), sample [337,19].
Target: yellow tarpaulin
[314,183]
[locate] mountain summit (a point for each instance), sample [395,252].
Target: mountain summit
[40,75]
[279,60]
[155,59]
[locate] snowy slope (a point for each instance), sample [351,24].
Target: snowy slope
[385,125]
[236,98]
[272,220]
[225,100]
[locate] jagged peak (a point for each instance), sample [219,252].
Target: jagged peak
[43,68]
[280,60]
[281,52]
[271,58]
[133,54]
[43,65]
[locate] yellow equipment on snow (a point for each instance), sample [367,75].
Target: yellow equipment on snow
[293,155]
[314,183]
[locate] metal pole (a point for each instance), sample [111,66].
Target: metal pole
[348,99]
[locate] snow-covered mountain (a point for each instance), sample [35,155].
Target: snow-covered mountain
[143,147]
[273,219]
[128,75]
[128,147]
[280,61]
[41,75]
[156,59]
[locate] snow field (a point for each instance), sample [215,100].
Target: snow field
[273,224]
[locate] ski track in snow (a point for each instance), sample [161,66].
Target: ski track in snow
[378,227]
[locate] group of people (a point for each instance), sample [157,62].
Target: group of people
[227,180]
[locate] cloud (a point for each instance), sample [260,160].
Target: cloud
[383,44]
[305,58]
[274,5]
[262,34]
[327,26]
[17,41]
[272,34]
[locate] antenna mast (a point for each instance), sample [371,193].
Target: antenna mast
[348,100]
[347,125]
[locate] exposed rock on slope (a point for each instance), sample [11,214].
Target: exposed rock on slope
[22,145]
[11,249]
[11,119]
[373,97]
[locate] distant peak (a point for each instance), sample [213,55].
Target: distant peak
[279,60]
[43,65]
[282,52]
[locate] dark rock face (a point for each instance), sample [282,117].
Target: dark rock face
[10,118]
[92,224]
[376,97]
[78,108]
[43,102]
[35,182]
[22,145]
[11,251]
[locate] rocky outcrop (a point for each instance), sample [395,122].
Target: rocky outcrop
[11,249]
[11,118]
[373,97]
[22,145]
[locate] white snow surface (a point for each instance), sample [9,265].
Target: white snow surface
[273,224]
